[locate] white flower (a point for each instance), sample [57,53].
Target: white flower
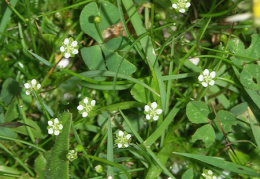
[54,126]
[207,78]
[85,106]
[181,5]
[32,85]
[152,112]
[72,155]
[69,47]
[123,139]
[63,63]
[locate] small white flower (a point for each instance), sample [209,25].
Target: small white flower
[54,127]
[152,112]
[210,172]
[30,86]
[69,48]
[123,139]
[181,5]
[207,78]
[86,106]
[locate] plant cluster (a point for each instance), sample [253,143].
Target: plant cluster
[129,89]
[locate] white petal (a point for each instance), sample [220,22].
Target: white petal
[148,117]
[27,92]
[159,111]
[154,105]
[67,55]
[210,172]
[201,78]
[85,100]
[213,74]
[126,145]
[212,82]
[74,43]
[120,133]
[60,126]
[206,72]
[66,41]
[128,136]
[38,86]
[93,102]
[50,131]
[187,4]
[182,10]
[75,51]
[203,174]
[204,84]
[146,108]
[62,49]
[155,118]
[33,82]
[63,63]
[50,123]
[56,132]
[27,85]
[84,114]
[119,145]
[214,177]
[174,6]
[56,120]
[80,107]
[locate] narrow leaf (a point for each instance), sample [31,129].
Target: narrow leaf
[255,127]
[40,58]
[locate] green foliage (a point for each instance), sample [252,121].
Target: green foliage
[132,53]
[57,164]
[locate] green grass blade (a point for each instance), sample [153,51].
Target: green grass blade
[57,164]
[40,58]
[225,165]
[255,127]
[110,150]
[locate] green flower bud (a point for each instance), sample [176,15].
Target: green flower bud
[79,148]
[97,19]
[99,168]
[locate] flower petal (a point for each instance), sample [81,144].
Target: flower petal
[74,43]
[120,133]
[84,114]
[206,72]
[159,111]
[146,108]
[174,6]
[126,145]
[62,49]
[201,78]
[80,107]
[212,82]
[148,117]
[66,41]
[33,82]
[27,85]
[213,74]
[60,126]
[187,4]
[50,123]
[119,145]
[27,92]
[182,10]
[38,86]
[154,105]
[56,120]
[56,132]
[155,118]
[50,131]
[204,84]
[128,136]
[67,55]
[75,51]
[93,102]
[85,100]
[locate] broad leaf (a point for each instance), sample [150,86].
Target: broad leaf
[198,112]
[226,119]
[9,89]
[250,76]
[109,16]
[39,165]
[205,133]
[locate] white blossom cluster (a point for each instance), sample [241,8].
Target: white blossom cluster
[86,106]
[152,112]
[32,85]
[123,139]
[54,127]
[207,78]
[181,6]
[208,174]
[69,48]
